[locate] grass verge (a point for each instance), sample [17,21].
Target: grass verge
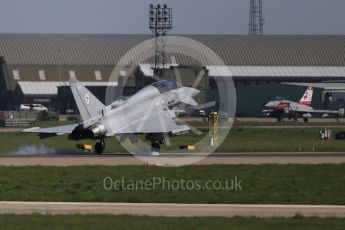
[9,222]
[267,184]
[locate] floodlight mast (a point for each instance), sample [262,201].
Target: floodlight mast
[256,20]
[160,21]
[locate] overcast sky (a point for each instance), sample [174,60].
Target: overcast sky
[189,16]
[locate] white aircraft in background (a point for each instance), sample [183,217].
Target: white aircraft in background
[279,107]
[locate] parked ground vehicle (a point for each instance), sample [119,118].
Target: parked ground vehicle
[34,107]
[199,113]
[24,107]
[38,107]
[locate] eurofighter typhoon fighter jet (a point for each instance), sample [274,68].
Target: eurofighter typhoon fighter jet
[280,106]
[146,112]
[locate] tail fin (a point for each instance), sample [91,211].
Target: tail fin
[88,105]
[307,96]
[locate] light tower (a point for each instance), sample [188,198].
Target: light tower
[160,21]
[256,21]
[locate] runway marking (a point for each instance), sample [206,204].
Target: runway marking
[126,159]
[166,209]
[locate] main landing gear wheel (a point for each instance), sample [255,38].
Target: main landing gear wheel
[99,147]
[155,147]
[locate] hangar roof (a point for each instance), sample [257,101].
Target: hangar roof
[265,71]
[50,88]
[267,50]
[276,71]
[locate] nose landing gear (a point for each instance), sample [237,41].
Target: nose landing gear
[156,140]
[155,147]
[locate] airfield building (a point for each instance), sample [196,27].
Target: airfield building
[35,68]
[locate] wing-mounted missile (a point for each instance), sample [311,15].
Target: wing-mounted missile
[181,130]
[189,101]
[200,107]
[192,109]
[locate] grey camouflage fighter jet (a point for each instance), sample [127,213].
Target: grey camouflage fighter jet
[148,112]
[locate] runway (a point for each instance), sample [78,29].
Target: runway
[215,158]
[166,209]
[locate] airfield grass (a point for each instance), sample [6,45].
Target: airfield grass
[280,140]
[264,184]
[239,139]
[283,123]
[52,222]
[288,123]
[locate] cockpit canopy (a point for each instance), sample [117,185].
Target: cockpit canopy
[166,85]
[278,98]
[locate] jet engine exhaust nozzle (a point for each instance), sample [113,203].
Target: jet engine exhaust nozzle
[97,130]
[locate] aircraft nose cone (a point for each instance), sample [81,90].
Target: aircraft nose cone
[269,104]
[195,92]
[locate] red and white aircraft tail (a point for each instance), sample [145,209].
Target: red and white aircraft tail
[307,96]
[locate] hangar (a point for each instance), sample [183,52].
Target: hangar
[36,67]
